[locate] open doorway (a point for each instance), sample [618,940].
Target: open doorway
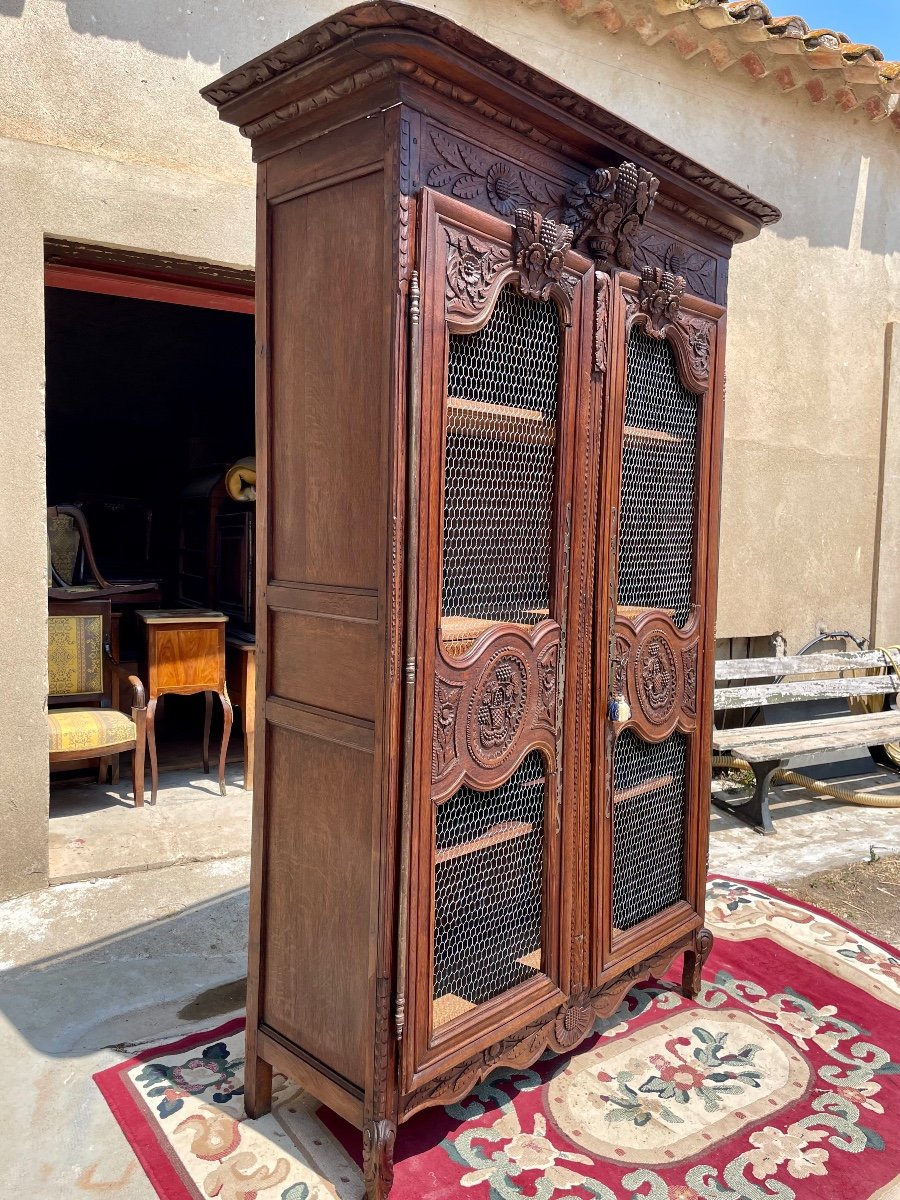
[149,403]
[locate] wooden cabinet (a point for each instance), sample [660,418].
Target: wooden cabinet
[491,321]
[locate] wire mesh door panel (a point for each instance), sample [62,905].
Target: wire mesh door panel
[660,547]
[499,462]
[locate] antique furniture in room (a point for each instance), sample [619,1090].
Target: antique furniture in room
[490,319]
[240,675]
[81,722]
[216,562]
[184,653]
[73,573]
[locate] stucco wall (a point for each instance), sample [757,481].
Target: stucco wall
[107,140]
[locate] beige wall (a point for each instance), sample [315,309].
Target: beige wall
[105,139]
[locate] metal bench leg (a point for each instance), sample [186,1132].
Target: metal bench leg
[754,811]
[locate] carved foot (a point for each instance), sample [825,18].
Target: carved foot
[693,963]
[378,1158]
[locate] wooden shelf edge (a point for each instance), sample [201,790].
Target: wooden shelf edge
[505,831]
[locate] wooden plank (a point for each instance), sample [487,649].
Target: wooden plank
[634,433]
[643,789]
[504,831]
[499,420]
[799,664]
[800,737]
[761,694]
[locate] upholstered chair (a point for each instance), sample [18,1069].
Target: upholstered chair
[81,723]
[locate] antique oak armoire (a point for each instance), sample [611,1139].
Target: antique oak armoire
[490,361]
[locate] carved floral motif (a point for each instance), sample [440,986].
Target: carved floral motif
[620,668]
[446,701]
[608,209]
[541,247]
[659,299]
[698,345]
[465,171]
[471,267]
[656,678]
[689,665]
[547,673]
[574,1023]
[601,318]
[497,708]
[698,270]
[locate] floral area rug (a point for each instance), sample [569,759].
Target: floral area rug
[782,1080]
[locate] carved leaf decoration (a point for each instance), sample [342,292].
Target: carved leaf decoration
[608,208]
[698,270]
[467,187]
[440,177]
[478,164]
[541,248]
[448,149]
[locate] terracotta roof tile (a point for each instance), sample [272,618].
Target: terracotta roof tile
[854,75]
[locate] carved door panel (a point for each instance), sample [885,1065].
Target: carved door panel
[660,548]
[505,313]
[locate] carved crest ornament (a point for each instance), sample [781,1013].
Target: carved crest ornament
[608,209]
[498,705]
[541,247]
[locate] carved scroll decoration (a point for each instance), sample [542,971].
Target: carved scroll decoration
[548,674]
[689,666]
[471,268]
[561,1030]
[601,320]
[446,702]
[378,1156]
[608,209]
[541,247]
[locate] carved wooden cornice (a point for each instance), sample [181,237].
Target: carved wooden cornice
[541,247]
[364,27]
[608,209]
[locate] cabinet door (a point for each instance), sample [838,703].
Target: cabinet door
[659,553]
[505,313]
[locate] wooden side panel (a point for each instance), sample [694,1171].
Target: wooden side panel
[316,897]
[327,365]
[324,404]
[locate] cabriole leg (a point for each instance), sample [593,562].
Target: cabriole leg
[694,958]
[378,1158]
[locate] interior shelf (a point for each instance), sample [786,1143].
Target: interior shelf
[503,831]
[643,789]
[459,633]
[499,421]
[630,611]
[634,433]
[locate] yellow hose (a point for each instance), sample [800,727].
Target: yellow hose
[828,790]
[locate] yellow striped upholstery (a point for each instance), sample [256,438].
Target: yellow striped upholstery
[73,729]
[75,655]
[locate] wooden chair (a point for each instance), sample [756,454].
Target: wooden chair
[72,570]
[81,723]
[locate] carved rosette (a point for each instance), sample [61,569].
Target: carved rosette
[496,709]
[541,248]
[471,268]
[608,209]
[446,703]
[574,1023]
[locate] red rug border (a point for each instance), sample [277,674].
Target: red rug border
[139,1132]
[812,908]
[144,1137]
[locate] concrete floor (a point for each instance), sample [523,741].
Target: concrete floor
[95,830]
[150,954]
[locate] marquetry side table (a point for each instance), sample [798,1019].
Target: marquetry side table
[185,654]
